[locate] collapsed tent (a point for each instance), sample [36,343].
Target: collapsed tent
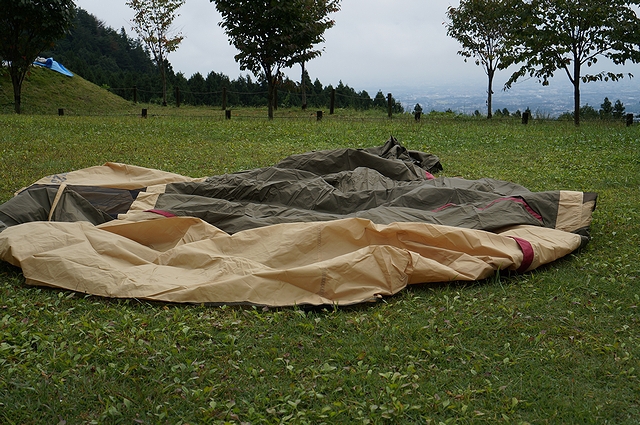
[330,227]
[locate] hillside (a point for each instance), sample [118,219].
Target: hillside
[45,91]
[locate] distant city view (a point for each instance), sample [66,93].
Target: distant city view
[547,101]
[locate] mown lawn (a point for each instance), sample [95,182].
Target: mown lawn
[558,345]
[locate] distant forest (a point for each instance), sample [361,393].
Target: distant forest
[113,60]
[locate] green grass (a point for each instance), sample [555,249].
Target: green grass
[45,91]
[557,345]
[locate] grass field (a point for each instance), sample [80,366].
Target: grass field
[558,345]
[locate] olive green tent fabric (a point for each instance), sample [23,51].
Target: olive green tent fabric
[329,227]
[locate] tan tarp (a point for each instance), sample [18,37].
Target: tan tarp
[115,175]
[342,262]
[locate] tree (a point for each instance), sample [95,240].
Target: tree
[568,34]
[28,27]
[618,109]
[152,21]
[275,34]
[482,28]
[380,101]
[606,109]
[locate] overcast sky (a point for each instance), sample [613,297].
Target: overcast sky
[374,45]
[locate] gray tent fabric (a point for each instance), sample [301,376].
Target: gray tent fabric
[370,221]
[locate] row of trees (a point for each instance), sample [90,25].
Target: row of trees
[607,111]
[113,60]
[546,36]
[541,36]
[244,91]
[269,34]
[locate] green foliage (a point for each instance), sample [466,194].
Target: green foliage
[556,345]
[380,101]
[567,35]
[606,112]
[606,109]
[618,110]
[107,57]
[152,21]
[27,27]
[275,34]
[483,29]
[587,112]
[110,58]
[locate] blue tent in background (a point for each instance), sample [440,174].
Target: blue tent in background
[53,65]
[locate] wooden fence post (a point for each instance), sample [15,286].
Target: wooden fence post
[629,120]
[60,112]
[389,104]
[144,113]
[227,114]
[525,118]
[318,115]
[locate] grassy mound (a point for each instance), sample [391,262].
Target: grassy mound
[45,91]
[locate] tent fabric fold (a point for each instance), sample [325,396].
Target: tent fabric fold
[330,227]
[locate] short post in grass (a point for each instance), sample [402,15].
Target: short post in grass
[389,104]
[525,118]
[60,112]
[144,113]
[629,120]
[227,114]
[318,115]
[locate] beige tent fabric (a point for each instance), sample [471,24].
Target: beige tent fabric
[183,259]
[573,212]
[115,175]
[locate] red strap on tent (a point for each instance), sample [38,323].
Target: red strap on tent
[527,251]
[161,212]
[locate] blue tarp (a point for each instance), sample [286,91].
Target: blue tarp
[53,65]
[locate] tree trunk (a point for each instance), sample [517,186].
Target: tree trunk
[490,74]
[271,88]
[163,75]
[304,90]
[17,91]
[576,92]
